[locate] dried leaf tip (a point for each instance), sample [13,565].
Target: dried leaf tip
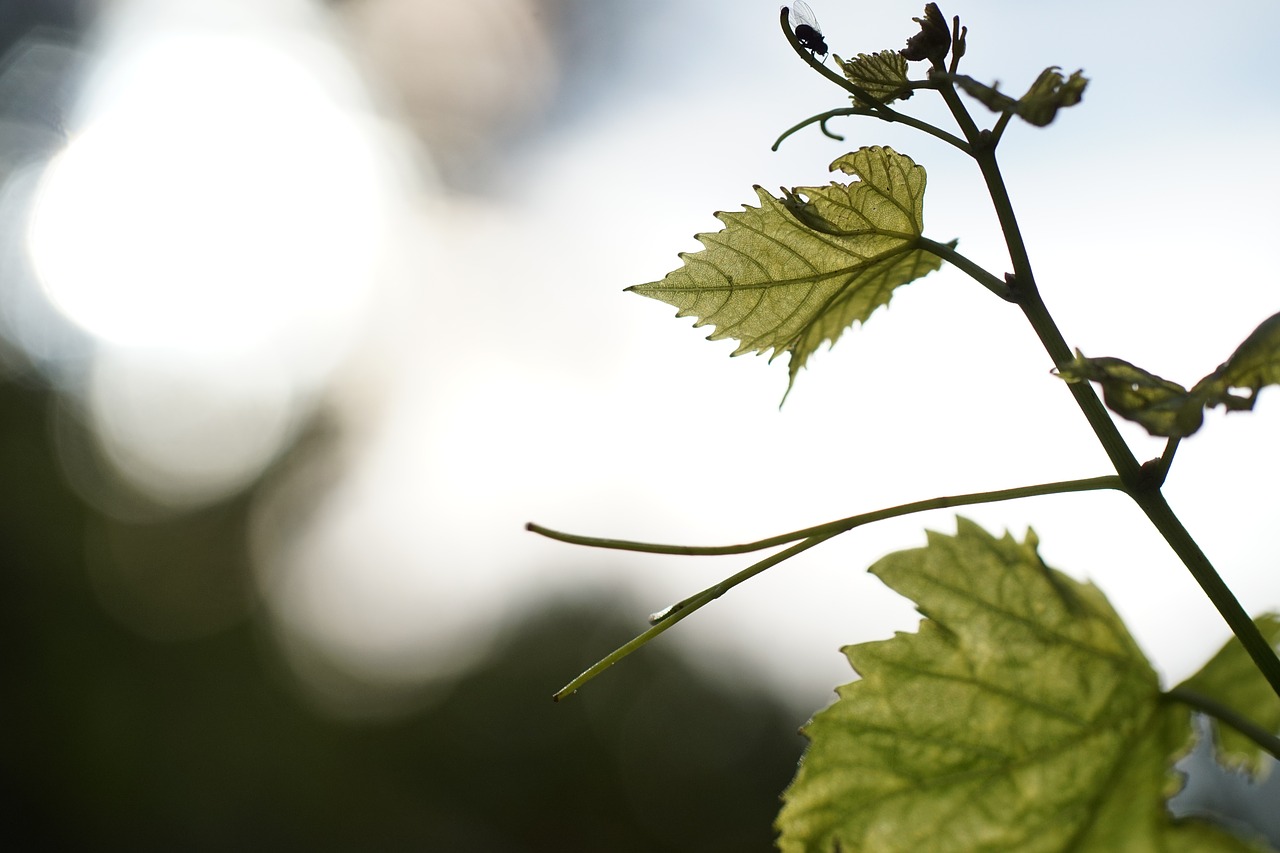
[934,39]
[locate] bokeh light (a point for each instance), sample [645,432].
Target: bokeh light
[326,301]
[215,225]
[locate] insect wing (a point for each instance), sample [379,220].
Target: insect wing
[802,16]
[805,25]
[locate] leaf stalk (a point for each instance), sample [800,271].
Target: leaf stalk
[1228,715]
[981,276]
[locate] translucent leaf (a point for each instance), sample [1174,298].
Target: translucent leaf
[1254,364]
[1166,408]
[881,75]
[797,271]
[1163,407]
[1233,679]
[1048,94]
[1021,716]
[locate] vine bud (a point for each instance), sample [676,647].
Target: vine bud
[934,39]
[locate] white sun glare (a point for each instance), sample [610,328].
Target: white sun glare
[216,219]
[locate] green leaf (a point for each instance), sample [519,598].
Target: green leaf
[797,271]
[1166,408]
[1163,407]
[1048,94]
[1254,364]
[882,75]
[1233,679]
[1021,716]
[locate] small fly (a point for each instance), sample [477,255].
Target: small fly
[805,26]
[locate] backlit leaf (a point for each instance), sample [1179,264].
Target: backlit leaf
[1233,679]
[1048,94]
[881,75]
[1166,408]
[1254,364]
[1163,407]
[1021,716]
[797,271]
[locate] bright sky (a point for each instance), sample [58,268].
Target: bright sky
[508,378]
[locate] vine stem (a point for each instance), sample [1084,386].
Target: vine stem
[841,525]
[1157,509]
[1142,486]
[691,605]
[884,114]
[809,537]
[875,107]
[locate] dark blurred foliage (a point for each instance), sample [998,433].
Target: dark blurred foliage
[113,741]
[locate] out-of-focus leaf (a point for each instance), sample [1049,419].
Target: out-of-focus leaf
[934,39]
[1166,408]
[1048,94]
[1233,679]
[1254,364]
[797,271]
[881,75]
[1021,716]
[1163,407]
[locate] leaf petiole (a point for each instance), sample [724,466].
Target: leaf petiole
[998,130]
[1158,469]
[948,253]
[1228,715]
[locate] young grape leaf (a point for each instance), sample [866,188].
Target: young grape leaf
[797,271]
[883,76]
[1254,364]
[1039,106]
[934,39]
[1021,716]
[1233,679]
[1163,407]
[1166,408]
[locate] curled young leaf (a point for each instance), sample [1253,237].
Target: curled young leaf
[1039,106]
[934,39]
[796,271]
[1254,364]
[1020,716]
[1166,408]
[881,75]
[1050,93]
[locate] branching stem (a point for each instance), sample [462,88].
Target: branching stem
[840,525]
[1141,483]
[876,108]
[686,608]
[809,537]
[1144,490]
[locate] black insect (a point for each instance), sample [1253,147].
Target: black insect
[805,26]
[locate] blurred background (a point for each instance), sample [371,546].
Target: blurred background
[306,308]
